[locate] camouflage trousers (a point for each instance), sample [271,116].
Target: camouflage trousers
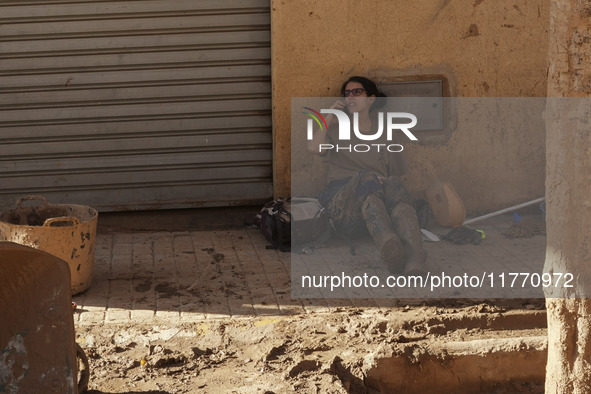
[344,199]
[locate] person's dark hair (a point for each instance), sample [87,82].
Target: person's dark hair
[370,88]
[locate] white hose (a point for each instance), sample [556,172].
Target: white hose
[502,211]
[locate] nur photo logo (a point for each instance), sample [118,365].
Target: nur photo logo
[392,122]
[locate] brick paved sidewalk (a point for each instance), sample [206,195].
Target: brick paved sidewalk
[189,276]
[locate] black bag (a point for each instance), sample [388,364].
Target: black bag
[274,221]
[294,224]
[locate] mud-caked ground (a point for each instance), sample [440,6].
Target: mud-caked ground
[346,351]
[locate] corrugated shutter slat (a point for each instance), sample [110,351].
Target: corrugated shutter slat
[127,105]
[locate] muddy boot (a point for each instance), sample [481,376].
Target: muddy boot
[378,224]
[405,223]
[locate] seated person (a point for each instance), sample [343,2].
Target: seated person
[364,189]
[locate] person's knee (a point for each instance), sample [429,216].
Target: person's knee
[372,201]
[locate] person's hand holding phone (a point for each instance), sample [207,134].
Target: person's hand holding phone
[341,106]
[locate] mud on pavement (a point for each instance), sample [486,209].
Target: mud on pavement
[351,350]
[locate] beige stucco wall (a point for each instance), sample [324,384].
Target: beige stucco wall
[486,48]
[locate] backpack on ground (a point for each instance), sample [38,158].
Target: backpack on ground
[274,221]
[294,224]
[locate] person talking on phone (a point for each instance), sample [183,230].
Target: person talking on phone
[364,190]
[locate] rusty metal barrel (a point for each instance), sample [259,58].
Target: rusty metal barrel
[66,231]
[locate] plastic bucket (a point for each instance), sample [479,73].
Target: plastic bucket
[63,230]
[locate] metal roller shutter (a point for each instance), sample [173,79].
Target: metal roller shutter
[125,105]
